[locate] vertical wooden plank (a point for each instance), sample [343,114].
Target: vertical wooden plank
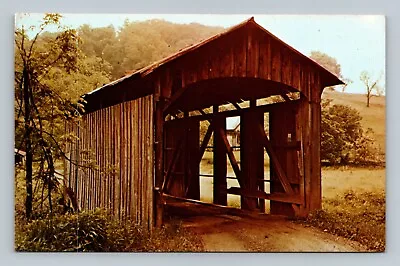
[146,173]
[122,161]
[276,69]
[219,161]
[101,147]
[86,171]
[95,188]
[150,160]
[316,196]
[305,105]
[300,154]
[117,155]
[286,66]
[295,82]
[140,153]
[113,160]
[159,135]
[193,189]
[106,161]
[240,52]
[265,60]
[129,158]
[78,183]
[109,159]
[135,130]
[281,124]
[252,58]
[249,157]
[103,163]
[89,129]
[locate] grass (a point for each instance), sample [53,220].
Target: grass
[358,216]
[91,231]
[353,205]
[96,231]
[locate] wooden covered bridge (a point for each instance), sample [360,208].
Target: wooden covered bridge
[144,129]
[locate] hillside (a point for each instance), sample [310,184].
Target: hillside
[373,116]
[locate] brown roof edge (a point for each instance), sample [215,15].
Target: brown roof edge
[332,78]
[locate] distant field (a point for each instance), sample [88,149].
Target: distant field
[373,117]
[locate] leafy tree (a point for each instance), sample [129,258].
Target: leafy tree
[142,43]
[343,140]
[47,86]
[371,85]
[331,64]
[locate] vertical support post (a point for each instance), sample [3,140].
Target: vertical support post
[259,151]
[315,184]
[193,189]
[281,123]
[159,162]
[220,161]
[251,156]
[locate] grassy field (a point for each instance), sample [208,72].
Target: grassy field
[336,181]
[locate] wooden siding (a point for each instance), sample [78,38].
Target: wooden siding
[248,54]
[120,138]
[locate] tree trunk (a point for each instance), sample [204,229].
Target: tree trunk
[28,146]
[50,177]
[368,98]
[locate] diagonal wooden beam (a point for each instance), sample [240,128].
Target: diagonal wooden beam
[202,112]
[236,106]
[205,142]
[278,168]
[285,97]
[275,162]
[231,157]
[172,164]
[173,99]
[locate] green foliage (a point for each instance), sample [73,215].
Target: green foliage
[356,216]
[343,140]
[138,44]
[98,232]
[330,63]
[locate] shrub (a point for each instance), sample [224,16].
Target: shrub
[97,231]
[343,140]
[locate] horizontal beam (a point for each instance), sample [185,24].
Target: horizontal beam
[281,197]
[167,196]
[230,113]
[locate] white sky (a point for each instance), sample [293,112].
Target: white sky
[357,42]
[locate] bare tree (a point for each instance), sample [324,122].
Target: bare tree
[372,85]
[347,81]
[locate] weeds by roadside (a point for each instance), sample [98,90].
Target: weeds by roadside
[97,232]
[356,216]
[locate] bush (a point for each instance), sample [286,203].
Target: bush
[98,232]
[343,140]
[356,216]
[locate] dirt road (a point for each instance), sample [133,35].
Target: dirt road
[232,231]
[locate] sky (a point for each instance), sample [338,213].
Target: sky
[356,41]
